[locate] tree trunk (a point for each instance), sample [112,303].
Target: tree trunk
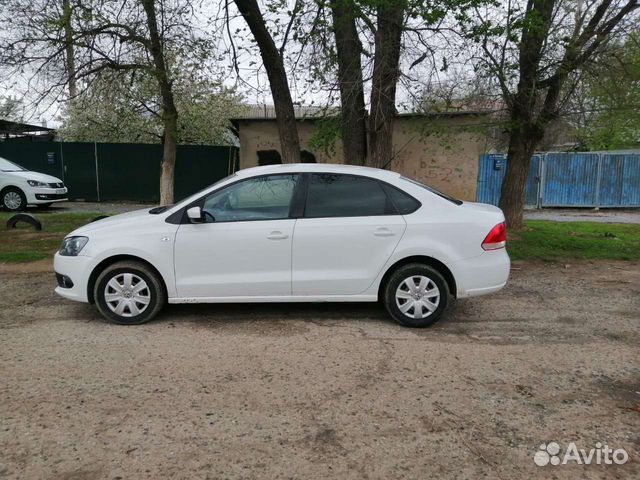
[386,70]
[70,59]
[274,65]
[168,166]
[169,111]
[512,197]
[353,112]
[525,133]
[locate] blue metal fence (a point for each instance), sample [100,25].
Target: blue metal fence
[568,180]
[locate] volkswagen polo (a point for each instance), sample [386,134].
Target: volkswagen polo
[291,233]
[20,187]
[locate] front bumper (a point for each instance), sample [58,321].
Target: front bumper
[38,195]
[77,270]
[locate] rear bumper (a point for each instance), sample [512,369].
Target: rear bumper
[483,274]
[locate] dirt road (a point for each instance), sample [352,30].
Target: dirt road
[324,391]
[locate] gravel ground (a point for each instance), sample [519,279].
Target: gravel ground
[560,215]
[323,391]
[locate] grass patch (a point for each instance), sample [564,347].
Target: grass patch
[24,244]
[557,241]
[540,240]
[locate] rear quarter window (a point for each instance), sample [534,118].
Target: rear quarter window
[402,201]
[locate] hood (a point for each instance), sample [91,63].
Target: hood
[124,220]
[38,177]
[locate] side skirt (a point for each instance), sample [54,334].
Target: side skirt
[277,299]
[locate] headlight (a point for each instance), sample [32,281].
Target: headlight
[72,246]
[35,183]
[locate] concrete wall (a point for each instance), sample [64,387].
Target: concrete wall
[442,152]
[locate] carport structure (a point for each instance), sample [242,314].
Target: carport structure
[13,130]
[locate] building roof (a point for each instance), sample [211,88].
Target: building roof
[16,128]
[268,112]
[317,167]
[259,113]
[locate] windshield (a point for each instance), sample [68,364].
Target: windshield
[433,190]
[7,166]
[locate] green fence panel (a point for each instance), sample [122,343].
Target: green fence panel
[199,166]
[80,171]
[129,171]
[125,171]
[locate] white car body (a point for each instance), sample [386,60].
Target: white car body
[43,189]
[294,259]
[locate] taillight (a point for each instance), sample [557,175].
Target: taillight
[497,238]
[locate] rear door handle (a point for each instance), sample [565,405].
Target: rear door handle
[277,235]
[383,232]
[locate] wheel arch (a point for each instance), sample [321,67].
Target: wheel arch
[100,267]
[430,261]
[12,186]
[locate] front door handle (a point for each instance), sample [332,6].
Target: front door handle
[383,232]
[277,235]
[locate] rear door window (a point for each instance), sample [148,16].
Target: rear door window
[337,195]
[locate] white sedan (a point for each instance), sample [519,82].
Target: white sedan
[291,233]
[20,187]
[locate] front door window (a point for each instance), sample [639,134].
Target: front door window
[260,198]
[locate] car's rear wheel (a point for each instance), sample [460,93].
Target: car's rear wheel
[416,295]
[129,293]
[13,199]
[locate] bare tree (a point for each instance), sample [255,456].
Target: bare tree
[353,111]
[272,58]
[533,53]
[386,70]
[69,45]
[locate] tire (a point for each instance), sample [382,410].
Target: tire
[425,280]
[13,199]
[152,291]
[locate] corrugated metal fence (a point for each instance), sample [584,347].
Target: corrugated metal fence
[121,171]
[568,180]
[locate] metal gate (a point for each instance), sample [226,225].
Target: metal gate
[493,168]
[568,180]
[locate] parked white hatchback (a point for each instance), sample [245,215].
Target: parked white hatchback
[20,187]
[291,233]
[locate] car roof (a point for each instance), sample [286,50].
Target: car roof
[318,167]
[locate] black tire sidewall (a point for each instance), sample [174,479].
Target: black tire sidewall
[23,197]
[152,283]
[399,276]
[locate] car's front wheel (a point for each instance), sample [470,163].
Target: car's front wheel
[13,199]
[129,293]
[416,295]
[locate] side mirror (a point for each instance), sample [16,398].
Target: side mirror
[195,215]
